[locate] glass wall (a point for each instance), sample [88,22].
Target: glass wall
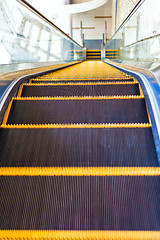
[138,38]
[26,37]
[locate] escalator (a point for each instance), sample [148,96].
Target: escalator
[78,159]
[93,54]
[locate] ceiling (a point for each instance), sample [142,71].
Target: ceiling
[77,1]
[66,6]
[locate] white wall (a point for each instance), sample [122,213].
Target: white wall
[88,20]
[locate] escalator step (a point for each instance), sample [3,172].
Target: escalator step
[75,147]
[80,90]
[88,69]
[81,77]
[81,81]
[80,203]
[78,111]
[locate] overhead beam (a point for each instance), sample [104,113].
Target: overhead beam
[103,17]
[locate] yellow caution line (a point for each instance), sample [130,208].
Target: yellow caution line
[78,235]
[93,57]
[81,79]
[80,98]
[94,50]
[20,90]
[125,77]
[94,53]
[79,171]
[7,113]
[80,83]
[72,84]
[80,125]
[140,89]
[148,114]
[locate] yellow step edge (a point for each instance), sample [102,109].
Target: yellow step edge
[77,79]
[70,75]
[6,115]
[20,90]
[93,56]
[80,125]
[140,89]
[72,84]
[81,83]
[94,50]
[78,235]
[80,171]
[141,94]
[80,97]
[149,119]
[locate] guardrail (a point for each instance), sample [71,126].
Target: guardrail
[28,36]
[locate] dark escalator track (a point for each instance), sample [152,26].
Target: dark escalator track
[78,159]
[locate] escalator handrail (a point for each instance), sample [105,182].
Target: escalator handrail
[140,2]
[35,11]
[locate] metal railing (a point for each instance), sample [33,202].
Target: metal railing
[138,37]
[28,36]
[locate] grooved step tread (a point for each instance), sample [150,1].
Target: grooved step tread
[80,90]
[89,69]
[77,158]
[82,81]
[78,111]
[79,147]
[80,203]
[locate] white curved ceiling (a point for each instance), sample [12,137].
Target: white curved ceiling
[54,6]
[83,7]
